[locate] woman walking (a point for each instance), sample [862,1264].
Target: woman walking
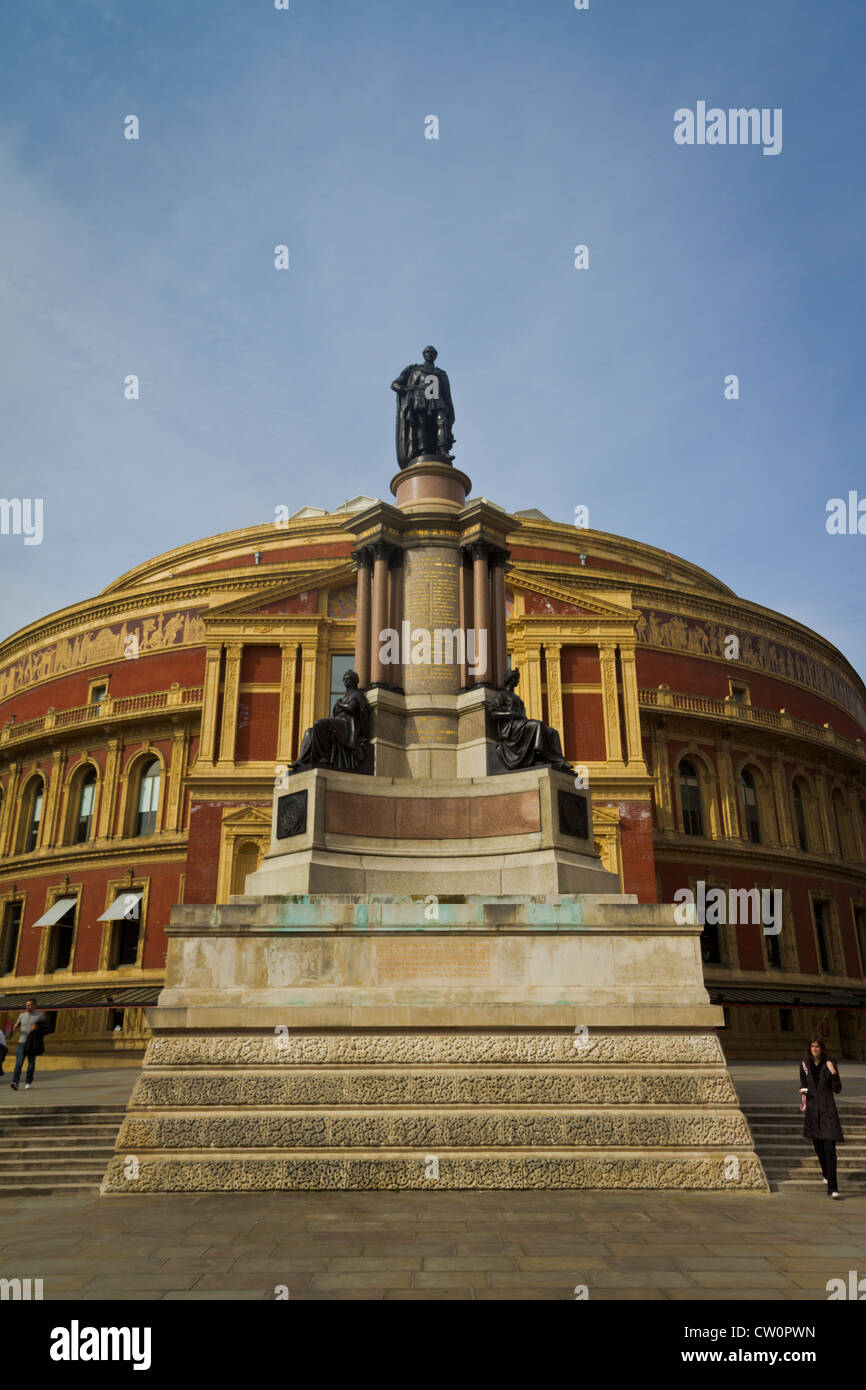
[819,1082]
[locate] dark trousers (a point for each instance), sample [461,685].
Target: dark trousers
[19,1063]
[826,1151]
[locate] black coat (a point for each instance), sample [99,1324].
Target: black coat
[34,1045]
[820,1118]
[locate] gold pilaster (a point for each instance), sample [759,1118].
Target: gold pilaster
[308,684]
[176,773]
[553,672]
[613,742]
[289,651]
[10,801]
[530,679]
[730,801]
[662,774]
[210,701]
[631,709]
[108,800]
[780,792]
[52,800]
[825,815]
[231,689]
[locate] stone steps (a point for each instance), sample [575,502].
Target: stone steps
[453,1109]
[56,1149]
[788,1158]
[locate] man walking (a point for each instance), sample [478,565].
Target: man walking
[31,1026]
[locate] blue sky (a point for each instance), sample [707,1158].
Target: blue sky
[306,127]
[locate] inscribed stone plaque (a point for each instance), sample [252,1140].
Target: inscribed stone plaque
[291,815]
[435,960]
[573,815]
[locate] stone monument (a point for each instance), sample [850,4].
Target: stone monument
[431,980]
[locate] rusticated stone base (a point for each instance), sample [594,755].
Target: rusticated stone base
[399,1172]
[353,1041]
[443,1109]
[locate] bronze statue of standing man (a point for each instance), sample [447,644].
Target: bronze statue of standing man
[425,414]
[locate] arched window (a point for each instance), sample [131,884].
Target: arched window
[32,822]
[690,796]
[148,798]
[800,815]
[86,796]
[750,805]
[247,859]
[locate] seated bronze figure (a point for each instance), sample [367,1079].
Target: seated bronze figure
[342,741]
[523,742]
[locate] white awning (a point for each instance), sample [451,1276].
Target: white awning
[55,912]
[124,906]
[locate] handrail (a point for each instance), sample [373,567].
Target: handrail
[109,708]
[660,697]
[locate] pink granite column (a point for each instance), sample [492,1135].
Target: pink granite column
[396,609]
[481,599]
[362,618]
[500,642]
[465,610]
[379,672]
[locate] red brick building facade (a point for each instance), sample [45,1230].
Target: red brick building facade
[141,732]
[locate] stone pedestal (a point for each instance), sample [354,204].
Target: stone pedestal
[432,980]
[383,1042]
[337,832]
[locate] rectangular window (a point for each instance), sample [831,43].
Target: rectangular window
[821,912]
[11,936]
[125,943]
[711,945]
[125,932]
[774,951]
[115,1020]
[60,941]
[339,666]
[860,925]
[786,1020]
[98,694]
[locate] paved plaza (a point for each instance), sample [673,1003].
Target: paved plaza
[448,1245]
[453,1245]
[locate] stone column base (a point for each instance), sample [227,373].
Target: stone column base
[385,1043]
[469,1109]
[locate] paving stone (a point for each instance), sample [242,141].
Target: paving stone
[562,1262]
[461,1262]
[373,1263]
[451,1295]
[385,1279]
[113,1285]
[540,1279]
[263,1265]
[328,1245]
[737,1279]
[459,1279]
[264,1280]
[523,1294]
[714,1295]
[651,1278]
